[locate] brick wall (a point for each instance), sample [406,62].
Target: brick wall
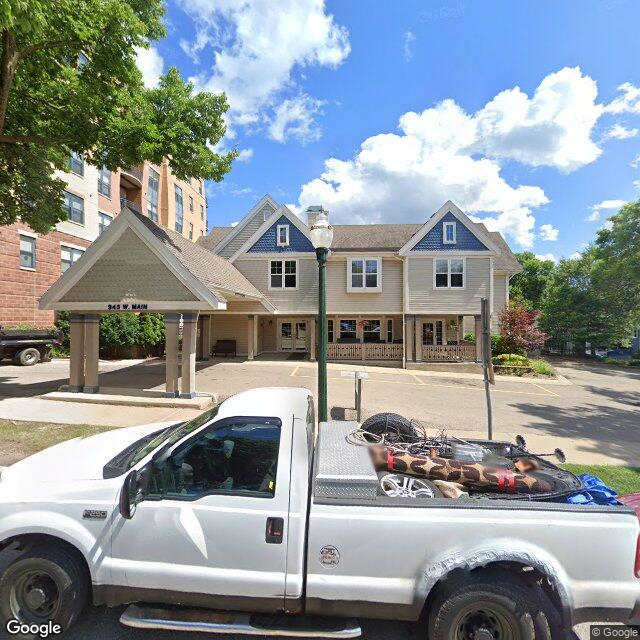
[20,290]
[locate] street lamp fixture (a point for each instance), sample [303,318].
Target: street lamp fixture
[321,237]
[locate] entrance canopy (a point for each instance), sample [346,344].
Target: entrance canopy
[136,265]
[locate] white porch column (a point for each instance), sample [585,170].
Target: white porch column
[478,333]
[91,345]
[171,325]
[312,337]
[76,355]
[418,339]
[408,338]
[250,337]
[189,336]
[206,337]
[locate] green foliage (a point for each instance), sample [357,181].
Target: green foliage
[511,359]
[542,368]
[53,102]
[62,322]
[470,337]
[527,288]
[151,329]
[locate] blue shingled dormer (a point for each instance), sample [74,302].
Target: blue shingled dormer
[449,234]
[276,239]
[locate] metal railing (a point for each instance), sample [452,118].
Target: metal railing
[134,206]
[364,351]
[449,352]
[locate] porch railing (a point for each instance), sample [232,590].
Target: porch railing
[364,351]
[449,352]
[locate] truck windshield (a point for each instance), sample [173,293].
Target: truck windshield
[161,440]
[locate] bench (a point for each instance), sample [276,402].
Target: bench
[226,347]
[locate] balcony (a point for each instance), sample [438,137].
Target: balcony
[131,177]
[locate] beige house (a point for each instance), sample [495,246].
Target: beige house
[402,293]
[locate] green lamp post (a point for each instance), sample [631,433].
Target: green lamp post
[321,237]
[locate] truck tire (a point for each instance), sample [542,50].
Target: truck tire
[43,583]
[27,357]
[392,423]
[484,605]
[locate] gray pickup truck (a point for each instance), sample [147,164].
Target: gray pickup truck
[248,520]
[27,347]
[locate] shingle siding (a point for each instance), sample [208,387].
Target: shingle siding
[298,242]
[465,239]
[424,298]
[129,272]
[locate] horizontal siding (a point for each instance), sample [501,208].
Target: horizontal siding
[389,300]
[304,299]
[499,299]
[423,298]
[245,306]
[243,235]
[129,272]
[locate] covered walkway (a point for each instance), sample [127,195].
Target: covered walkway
[137,266]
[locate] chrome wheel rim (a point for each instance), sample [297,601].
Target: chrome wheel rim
[397,486]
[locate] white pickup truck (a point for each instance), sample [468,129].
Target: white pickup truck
[243,521]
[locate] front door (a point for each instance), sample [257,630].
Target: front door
[286,336]
[432,332]
[301,336]
[201,536]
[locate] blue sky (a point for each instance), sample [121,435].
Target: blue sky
[526,114]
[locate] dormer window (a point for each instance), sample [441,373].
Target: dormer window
[283,235]
[449,233]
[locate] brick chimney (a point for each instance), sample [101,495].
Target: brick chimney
[313,212]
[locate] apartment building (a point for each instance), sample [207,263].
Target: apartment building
[30,262]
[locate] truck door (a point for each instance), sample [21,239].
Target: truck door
[212,530]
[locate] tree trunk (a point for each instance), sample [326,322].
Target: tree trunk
[8,64]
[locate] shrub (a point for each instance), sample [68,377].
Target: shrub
[542,368]
[513,359]
[518,330]
[62,322]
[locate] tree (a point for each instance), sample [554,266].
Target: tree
[527,288]
[617,250]
[69,82]
[577,308]
[518,329]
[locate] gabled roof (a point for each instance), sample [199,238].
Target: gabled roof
[210,278]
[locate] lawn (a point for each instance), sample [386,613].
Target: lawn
[20,439]
[621,479]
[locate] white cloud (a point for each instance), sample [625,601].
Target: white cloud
[151,65]
[619,132]
[636,184]
[252,49]
[407,40]
[635,163]
[594,216]
[628,102]
[549,232]
[575,256]
[445,153]
[244,155]
[546,256]
[607,225]
[295,118]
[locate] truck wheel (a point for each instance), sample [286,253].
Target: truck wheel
[43,584]
[390,423]
[486,606]
[27,357]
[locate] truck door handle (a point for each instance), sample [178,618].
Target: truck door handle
[274,531]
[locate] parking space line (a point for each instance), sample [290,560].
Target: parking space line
[295,371]
[551,393]
[417,378]
[420,383]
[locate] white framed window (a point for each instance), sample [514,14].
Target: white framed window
[76,163]
[282,235]
[104,220]
[364,274]
[449,233]
[69,256]
[330,330]
[448,273]
[371,330]
[267,211]
[348,330]
[389,329]
[153,189]
[104,182]
[283,274]
[179,209]
[74,207]
[27,252]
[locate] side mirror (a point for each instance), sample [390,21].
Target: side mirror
[130,495]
